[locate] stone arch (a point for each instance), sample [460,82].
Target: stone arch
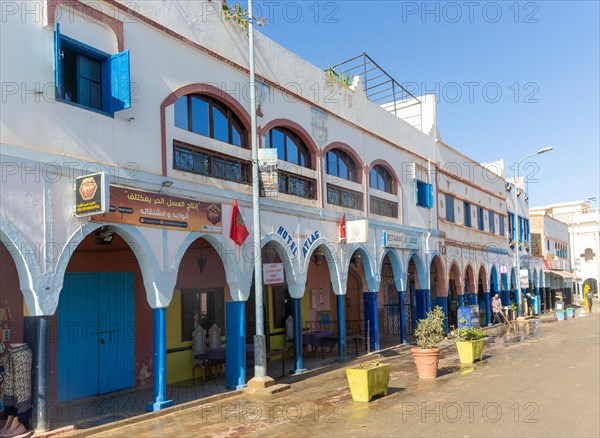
[330,252]
[371,276]
[494,279]
[27,265]
[482,275]
[295,287]
[469,279]
[158,281]
[421,279]
[396,267]
[440,283]
[238,289]
[458,280]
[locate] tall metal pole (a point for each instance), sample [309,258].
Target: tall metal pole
[518,228]
[260,357]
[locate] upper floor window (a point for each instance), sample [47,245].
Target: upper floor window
[511,226]
[424,194]
[289,146]
[90,78]
[338,163]
[206,116]
[467,212]
[480,223]
[380,179]
[449,208]
[501,226]
[492,222]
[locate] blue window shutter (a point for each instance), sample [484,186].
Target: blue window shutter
[116,89]
[429,201]
[57,62]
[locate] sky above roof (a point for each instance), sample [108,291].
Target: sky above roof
[510,77]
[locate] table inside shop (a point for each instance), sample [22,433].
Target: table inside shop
[218,356]
[315,339]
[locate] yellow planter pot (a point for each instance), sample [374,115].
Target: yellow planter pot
[470,351]
[368,380]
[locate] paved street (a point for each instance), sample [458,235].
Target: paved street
[545,386]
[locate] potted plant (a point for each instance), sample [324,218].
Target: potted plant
[429,334]
[368,379]
[513,308]
[470,343]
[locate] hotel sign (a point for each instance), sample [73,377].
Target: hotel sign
[357,231]
[399,240]
[136,207]
[91,194]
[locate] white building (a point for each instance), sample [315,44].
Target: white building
[156,99]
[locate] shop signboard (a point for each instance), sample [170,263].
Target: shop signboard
[137,207]
[91,194]
[269,179]
[398,240]
[357,231]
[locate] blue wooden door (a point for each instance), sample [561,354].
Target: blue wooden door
[95,334]
[116,332]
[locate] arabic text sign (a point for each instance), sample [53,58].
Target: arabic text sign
[91,195]
[136,207]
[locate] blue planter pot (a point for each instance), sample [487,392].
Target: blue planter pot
[561,315]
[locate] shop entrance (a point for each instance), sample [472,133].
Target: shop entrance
[96,323]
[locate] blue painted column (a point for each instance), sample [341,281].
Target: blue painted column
[341,325]
[235,345]
[401,301]
[297,336]
[488,307]
[428,301]
[372,318]
[443,303]
[461,300]
[160,362]
[36,334]
[537,306]
[474,299]
[421,310]
[505,298]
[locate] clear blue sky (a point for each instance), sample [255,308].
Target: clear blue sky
[550,49]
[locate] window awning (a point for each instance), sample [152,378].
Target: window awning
[563,274]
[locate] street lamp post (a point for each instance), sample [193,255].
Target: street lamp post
[260,380]
[518,229]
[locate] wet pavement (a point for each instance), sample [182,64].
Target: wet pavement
[543,382]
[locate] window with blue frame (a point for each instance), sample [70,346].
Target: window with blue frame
[90,78]
[492,223]
[501,228]
[449,208]
[527,230]
[467,212]
[511,226]
[521,229]
[480,223]
[424,194]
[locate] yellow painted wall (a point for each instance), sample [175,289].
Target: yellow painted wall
[179,365]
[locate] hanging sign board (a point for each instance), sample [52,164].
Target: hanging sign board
[357,231]
[273,273]
[524,278]
[503,269]
[91,194]
[269,179]
[136,207]
[399,240]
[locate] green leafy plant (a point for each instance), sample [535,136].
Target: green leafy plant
[469,333]
[514,307]
[430,331]
[340,76]
[239,15]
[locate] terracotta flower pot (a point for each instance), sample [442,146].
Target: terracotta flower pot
[427,361]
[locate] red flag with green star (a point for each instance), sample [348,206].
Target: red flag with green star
[238,231]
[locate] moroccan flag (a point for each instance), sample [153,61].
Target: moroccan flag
[238,231]
[343,228]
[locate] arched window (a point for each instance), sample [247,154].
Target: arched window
[338,163]
[380,179]
[209,117]
[289,146]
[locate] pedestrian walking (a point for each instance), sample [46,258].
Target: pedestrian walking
[590,298]
[496,309]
